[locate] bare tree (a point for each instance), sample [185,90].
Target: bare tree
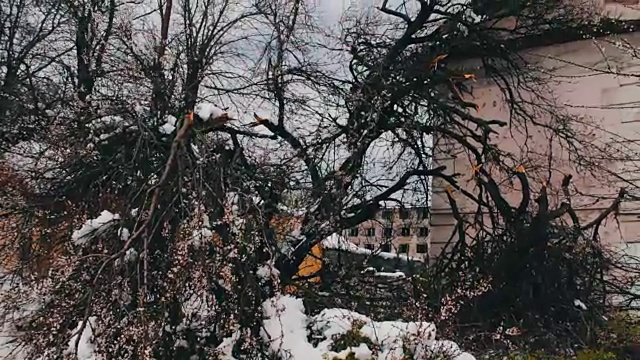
[144,127]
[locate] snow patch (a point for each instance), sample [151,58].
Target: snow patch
[169,126]
[579,304]
[208,111]
[86,349]
[267,272]
[124,234]
[286,326]
[93,227]
[338,242]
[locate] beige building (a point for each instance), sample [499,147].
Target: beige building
[586,83]
[394,230]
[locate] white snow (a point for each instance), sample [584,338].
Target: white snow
[579,304]
[223,351]
[85,348]
[107,121]
[169,126]
[201,236]
[130,255]
[338,242]
[267,271]
[286,326]
[92,227]
[373,272]
[361,351]
[124,234]
[397,274]
[208,111]
[11,288]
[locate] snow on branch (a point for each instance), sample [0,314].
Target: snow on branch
[93,227]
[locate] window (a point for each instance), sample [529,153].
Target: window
[387,232]
[368,246]
[423,213]
[385,247]
[353,232]
[622,2]
[403,249]
[421,248]
[405,231]
[371,231]
[404,214]
[423,232]
[387,214]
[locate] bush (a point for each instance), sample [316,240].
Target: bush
[352,338]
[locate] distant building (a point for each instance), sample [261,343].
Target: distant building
[394,230]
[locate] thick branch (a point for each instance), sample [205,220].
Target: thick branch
[615,206]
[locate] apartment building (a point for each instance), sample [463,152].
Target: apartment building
[394,230]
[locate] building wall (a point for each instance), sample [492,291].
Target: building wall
[394,230]
[608,107]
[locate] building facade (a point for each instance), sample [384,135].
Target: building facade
[394,230]
[598,83]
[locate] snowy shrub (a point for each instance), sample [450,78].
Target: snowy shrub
[343,334]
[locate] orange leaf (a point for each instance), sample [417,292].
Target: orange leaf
[449,189]
[520,169]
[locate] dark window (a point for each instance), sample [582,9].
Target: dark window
[388,232]
[387,214]
[421,248]
[403,249]
[385,247]
[371,231]
[423,231]
[353,232]
[368,246]
[404,214]
[405,231]
[423,213]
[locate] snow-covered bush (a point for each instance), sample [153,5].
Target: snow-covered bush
[342,334]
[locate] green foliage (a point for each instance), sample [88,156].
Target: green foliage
[596,355]
[351,356]
[588,354]
[352,338]
[622,335]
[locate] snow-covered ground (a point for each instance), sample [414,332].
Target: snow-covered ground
[286,330]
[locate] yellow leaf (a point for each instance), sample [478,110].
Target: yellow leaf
[470,76]
[520,169]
